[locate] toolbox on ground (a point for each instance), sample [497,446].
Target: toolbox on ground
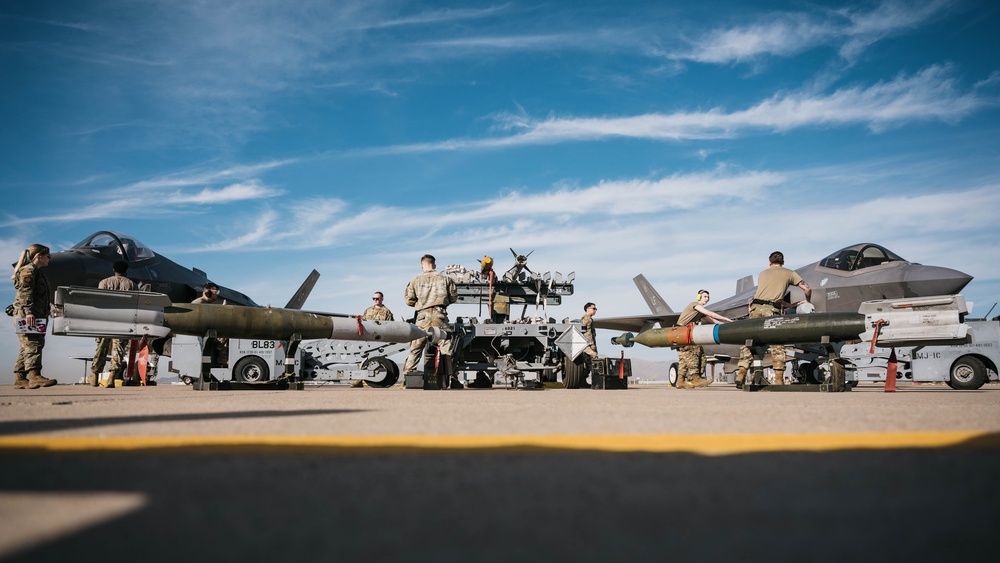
[611,373]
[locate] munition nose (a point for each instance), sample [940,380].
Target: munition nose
[934,280]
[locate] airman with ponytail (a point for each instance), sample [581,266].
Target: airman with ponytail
[31,302]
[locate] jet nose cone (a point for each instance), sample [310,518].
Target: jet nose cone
[934,280]
[63,268]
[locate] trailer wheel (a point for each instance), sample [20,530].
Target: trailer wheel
[187,379]
[380,365]
[811,373]
[672,374]
[251,369]
[574,372]
[968,372]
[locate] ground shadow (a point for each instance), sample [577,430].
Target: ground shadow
[56,424]
[528,504]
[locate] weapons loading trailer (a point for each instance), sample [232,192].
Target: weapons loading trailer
[526,351]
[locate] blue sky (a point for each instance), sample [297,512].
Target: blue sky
[257,140]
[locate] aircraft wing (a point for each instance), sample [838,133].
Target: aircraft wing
[636,323]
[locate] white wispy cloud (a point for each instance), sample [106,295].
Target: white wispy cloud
[438,16]
[889,18]
[786,34]
[319,223]
[931,94]
[206,176]
[263,224]
[506,42]
[134,200]
[244,191]
[86,26]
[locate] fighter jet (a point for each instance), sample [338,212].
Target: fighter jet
[90,261]
[862,272]
[840,283]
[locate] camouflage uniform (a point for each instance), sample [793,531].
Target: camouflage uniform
[117,346]
[690,362]
[772,284]
[373,313]
[589,335]
[690,358]
[31,296]
[377,313]
[429,293]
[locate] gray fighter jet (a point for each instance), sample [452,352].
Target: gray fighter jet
[90,261]
[840,283]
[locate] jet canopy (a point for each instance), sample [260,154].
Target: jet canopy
[113,244]
[858,257]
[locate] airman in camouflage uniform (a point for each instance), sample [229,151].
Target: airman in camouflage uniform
[772,284]
[691,358]
[117,346]
[430,293]
[31,301]
[589,334]
[378,311]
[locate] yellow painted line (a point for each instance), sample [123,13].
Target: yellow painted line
[714,444]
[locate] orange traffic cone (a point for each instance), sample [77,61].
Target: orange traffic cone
[890,373]
[142,362]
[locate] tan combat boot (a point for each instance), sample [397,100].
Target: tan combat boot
[779,377]
[21,381]
[35,380]
[700,382]
[93,380]
[741,376]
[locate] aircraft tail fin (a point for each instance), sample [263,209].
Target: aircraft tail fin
[299,299]
[744,284]
[656,303]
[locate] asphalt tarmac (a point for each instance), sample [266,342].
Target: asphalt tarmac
[167,473]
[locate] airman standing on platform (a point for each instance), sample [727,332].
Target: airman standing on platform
[772,284]
[117,346]
[430,293]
